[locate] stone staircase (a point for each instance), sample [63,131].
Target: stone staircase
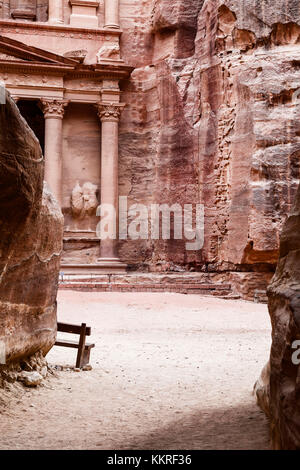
[184,283]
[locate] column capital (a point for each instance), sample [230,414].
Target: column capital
[53,107]
[109,112]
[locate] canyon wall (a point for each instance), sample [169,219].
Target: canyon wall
[213,118]
[31,231]
[278,387]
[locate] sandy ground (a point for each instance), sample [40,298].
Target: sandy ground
[170,371]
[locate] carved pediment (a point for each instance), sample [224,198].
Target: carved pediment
[18,57]
[12,50]
[4,56]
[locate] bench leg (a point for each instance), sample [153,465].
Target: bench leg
[86,357]
[81,347]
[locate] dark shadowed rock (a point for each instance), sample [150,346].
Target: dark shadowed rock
[31,228]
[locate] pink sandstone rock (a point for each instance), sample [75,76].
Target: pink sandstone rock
[31,228]
[278,388]
[211,119]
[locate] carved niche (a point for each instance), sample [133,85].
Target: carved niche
[29,10]
[23,9]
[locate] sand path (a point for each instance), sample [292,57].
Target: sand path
[170,371]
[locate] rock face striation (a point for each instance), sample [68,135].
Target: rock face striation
[279,392]
[31,230]
[213,118]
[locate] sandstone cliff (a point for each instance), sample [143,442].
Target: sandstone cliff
[31,229]
[278,388]
[213,118]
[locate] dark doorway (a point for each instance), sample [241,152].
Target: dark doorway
[34,116]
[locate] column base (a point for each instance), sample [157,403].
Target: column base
[55,21]
[112,26]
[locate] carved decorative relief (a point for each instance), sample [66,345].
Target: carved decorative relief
[79,54]
[109,111]
[53,107]
[34,29]
[108,51]
[33,80]
[84,200]
[4,56]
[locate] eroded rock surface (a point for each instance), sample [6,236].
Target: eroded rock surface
[31,229]
[279,392]
[213,119]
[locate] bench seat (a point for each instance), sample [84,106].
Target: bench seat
[68,343]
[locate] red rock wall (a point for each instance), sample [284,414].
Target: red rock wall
[278,387]
[31,231]
[211,119]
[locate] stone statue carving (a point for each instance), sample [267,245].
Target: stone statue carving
[109,51]
[84,200]
[79,54]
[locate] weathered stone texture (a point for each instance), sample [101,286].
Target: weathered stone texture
[213,119]
[278,390]
[31,230]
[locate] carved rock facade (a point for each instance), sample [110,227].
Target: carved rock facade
[211,118]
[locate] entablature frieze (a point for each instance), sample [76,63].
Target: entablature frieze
[35,28]
[73,95]
[95,72]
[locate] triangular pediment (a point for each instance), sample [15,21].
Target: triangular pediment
[11,58]
[16,51]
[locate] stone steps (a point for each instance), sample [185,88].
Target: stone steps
[185,284]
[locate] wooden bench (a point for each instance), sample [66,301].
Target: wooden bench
[84,349]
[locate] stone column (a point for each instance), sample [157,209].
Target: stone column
[53,112]
[112,14]
[109,114]
[55,12]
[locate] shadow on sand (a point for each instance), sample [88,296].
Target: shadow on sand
[235,428]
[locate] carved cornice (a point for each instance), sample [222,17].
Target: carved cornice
[13,26]
[53,108]
[109,112]
[33,68]
[88,71]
